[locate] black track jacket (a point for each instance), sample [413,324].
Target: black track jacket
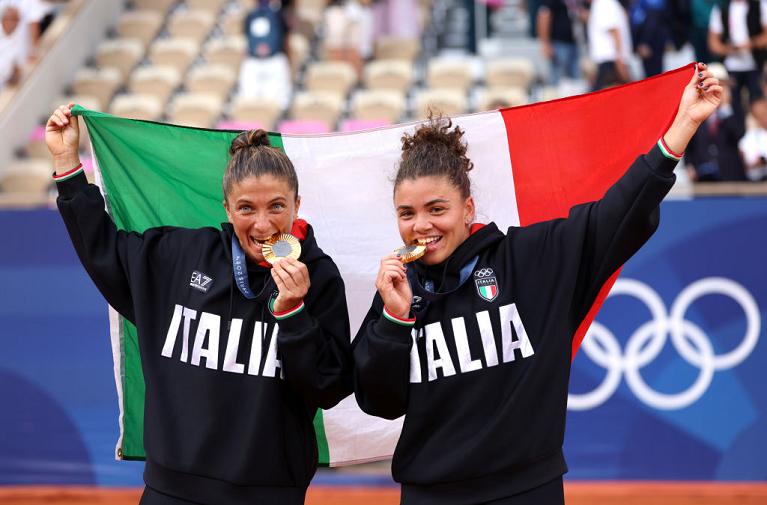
[482,376]
[228,414]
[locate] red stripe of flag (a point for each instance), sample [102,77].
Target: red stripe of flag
[590,141]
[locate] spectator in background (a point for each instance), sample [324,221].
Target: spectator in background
[609,42]
[10,47]
[650,23]
[348,27]
[555,31]
[701,14]
[397,18]
[753,145]
[738,33]
[31,14]
[265,73]
[712,154]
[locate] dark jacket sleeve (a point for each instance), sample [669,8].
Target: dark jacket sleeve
[580,253]
[102,249]
[108,254]
[382,364]
[315,344]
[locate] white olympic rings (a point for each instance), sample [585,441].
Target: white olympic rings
[484,272]
[646,343]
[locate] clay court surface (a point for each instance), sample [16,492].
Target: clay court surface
[577,494]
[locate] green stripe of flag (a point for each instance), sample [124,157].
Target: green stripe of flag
[167,175]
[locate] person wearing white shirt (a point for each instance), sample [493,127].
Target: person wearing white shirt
[10,46]
[738,33]
[753,145]
[609,42]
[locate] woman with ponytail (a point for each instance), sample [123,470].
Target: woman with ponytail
[472,342]
[240,344]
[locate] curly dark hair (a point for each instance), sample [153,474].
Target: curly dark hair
[253,156]
[436,149]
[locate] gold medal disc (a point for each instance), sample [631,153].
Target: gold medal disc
[408,253]
[281,245]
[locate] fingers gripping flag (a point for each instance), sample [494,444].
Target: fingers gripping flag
[532,163]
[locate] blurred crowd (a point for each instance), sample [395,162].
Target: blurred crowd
[312,66]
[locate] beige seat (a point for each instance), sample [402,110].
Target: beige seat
[299,51]
[334,76]
[215,79]
[510,72]
[30,177]
[195,109]
[141,25]
[450,74]
[174,52]
[397,48]
[311,10]
[100,84]
[395,75]
[122,54]
[498,98]
[212,6]
[232,22]
[229,51]
[160,6]
[318,106]
[448,102]
[145,107]
[378,104]
[155,80]
[261,110]
[195,25]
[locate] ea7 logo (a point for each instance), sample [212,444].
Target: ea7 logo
[487,285]
[200,281]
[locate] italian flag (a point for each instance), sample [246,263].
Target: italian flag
[531,163]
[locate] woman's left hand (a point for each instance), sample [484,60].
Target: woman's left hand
[701,96]
[292,278]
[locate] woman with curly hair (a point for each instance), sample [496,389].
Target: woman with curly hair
[472,342]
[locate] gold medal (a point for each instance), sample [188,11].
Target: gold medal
[281,245]
[408,253]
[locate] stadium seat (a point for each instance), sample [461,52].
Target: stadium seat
[311,10]
[122,54]
[355,125]
[449,74]
[232,22]
[192,24]
[299,51]
[36,147]
[229,51]
[240,125]
[98,83]
[303,127]
[495,98]
[140,25]
[158,81]
[200,110]
[448,102]
[396,75]
[30,177]
[215,79]
[397,48]
[317,106]
[174,52]
[160,6]
[260,110]
[147,107]
[378,104]
[334,76]
[212,6]
[510,72]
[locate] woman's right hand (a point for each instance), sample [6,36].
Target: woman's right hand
[393,286]
[62,136]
